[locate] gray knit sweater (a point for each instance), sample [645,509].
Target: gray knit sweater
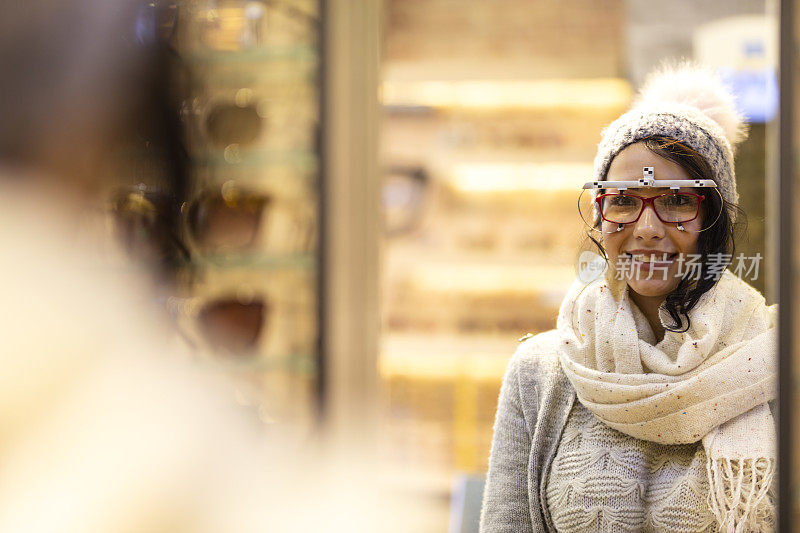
[535,400]
[534,405]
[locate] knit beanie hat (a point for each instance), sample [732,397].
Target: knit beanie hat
[687,103]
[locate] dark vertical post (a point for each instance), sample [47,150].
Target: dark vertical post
[785,295]
[322,250]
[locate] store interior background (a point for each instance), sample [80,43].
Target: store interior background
[500,105]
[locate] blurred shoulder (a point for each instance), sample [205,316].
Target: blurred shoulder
[538,354]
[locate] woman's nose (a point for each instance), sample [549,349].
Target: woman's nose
[648,226]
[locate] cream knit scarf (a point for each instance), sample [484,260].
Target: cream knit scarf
[711,382]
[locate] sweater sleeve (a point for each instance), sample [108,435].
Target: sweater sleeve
[505,505]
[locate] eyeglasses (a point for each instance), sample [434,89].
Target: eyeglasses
[218,222]
[227,123]
[232,326]
[244,315]
[277,116]
[403,194]
[625,208]
[149,222]
[228,219]
[144,222]
[227,325]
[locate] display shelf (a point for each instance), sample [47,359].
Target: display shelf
[307,261]
[287,183]
[251,113]
[300,160]
[300,53]
[298,364]
[304,53]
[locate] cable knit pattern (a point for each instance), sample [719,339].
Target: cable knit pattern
[603,480]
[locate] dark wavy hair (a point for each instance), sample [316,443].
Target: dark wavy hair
[717,237]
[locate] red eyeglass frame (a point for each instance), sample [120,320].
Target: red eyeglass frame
[645,201]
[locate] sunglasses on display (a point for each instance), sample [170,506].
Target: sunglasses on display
[231,326]
[228,123]
[403,196]
[233,220]
[272,324]
[622,208]
[228,219]
[144,220]
[282,116]
[228,326]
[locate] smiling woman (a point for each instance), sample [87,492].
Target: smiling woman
[653,234]
[708,229]
[672,368]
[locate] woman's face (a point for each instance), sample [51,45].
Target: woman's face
[630,249]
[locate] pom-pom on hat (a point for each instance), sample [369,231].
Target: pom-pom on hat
[690,104]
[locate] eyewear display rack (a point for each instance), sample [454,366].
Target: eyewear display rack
[251,124]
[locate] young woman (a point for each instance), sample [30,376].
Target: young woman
[672,367]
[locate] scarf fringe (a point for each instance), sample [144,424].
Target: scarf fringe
[738,494]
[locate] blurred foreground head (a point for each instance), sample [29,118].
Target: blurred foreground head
[104,428]
[73,75]
[87,106]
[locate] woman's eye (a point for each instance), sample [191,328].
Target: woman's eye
[678,200]
[622,201]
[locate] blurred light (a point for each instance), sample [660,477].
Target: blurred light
[519,177]
[232,154]
[398,361]
[580,94]
[756,92]
[743,49]
[434,277]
